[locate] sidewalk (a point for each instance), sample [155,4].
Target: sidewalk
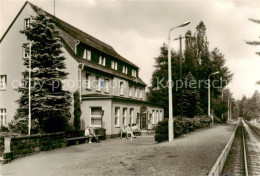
[193,154]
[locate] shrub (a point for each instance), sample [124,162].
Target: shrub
[217,120]
[161,131]
[4,129]
[178,127]
[205,122]
[181,126]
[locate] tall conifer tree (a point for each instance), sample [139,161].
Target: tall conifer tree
[49,102]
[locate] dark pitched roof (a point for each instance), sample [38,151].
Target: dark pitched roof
[84,37]
[100,68]
[69,41]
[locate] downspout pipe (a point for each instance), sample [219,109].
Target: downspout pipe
[80,68]
[78,42]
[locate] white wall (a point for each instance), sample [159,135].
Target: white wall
[11,62]
[85,116]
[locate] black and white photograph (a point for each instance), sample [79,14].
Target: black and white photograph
[129,87]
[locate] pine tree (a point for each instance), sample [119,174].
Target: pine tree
[190,97]
[200,63]
[49,102]
[158,92]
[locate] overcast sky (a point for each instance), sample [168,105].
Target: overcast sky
[137,29]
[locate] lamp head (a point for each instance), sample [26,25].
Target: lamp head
[184,24]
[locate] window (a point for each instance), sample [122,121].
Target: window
[161,115]
[141,94]
[114,65]
[137,118]
[130,91]
[131,116]
[157,116]
[135,92]
[98,80]
[133,73]
[87,83]
[96,116]
[2,117]
[88,55]
[153,116]
[125,70]
[3,82]
[26,23]
[117,116]
[26,51]
[124,116]
[106,85]
[102,61]
[84,54]
[121,88]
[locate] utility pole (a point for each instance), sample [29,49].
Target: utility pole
[222,102]
[230,109]
[181,60]
[180,38]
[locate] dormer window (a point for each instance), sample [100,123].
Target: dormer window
[114,65]
[26,23]
[86,54]
[102,61]
[125,70]
[134,73]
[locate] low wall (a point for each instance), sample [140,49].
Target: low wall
[23,145]
[218,166]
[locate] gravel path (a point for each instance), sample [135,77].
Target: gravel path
[192,154]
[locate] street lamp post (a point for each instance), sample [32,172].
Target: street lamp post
[209,94]
[170,127]
[228,110]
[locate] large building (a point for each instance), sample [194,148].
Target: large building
[112,94]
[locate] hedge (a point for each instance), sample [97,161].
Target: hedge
[181,126]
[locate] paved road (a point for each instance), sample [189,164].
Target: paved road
[193,154]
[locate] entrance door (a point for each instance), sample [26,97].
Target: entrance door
[143,121]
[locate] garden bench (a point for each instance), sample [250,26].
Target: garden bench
[100,132]
[77,140]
